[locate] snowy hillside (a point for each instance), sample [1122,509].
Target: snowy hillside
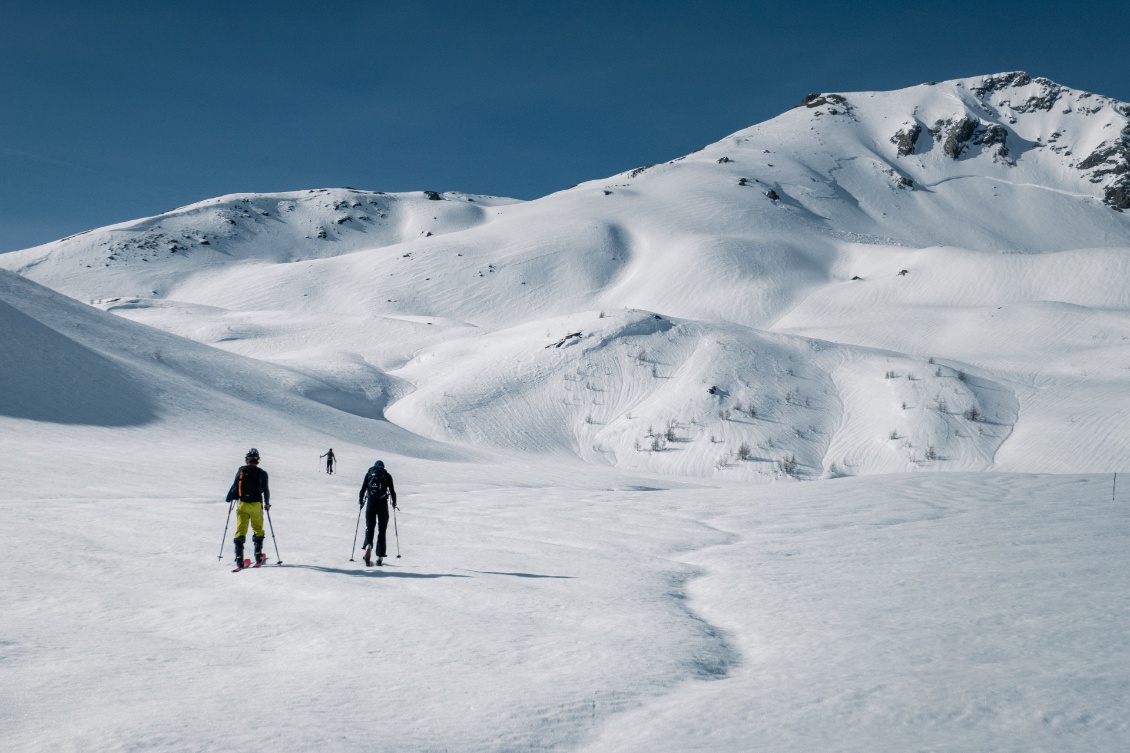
[838,286]
[597,406]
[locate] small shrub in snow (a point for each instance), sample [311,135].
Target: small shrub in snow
[910,377]
[744,452]
[904,406]
[894,434]
[931,453]
[657,444]
[971,414]
[789,466]
[961,376]
[722,462]
[943,407]
[938,372]
[724,414]
[890,375]
[670,434]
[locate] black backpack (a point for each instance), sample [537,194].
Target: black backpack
[249,484]
[376,483]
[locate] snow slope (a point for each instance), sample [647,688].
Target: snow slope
[936,222]
[597,406]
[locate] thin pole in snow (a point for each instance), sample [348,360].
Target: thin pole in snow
[1114,487]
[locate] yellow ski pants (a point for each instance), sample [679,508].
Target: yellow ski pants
[249,512]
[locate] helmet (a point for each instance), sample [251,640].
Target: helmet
[252,454]
[379,464]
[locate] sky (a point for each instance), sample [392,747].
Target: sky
[122,110]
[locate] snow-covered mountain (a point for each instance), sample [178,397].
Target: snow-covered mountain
[574,394]
[932,278]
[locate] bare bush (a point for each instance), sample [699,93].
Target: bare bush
[789,466]
[971,414]
[744,451]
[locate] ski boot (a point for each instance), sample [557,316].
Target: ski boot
[238,541]
[368,556]
[259,556]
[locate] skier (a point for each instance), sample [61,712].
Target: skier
[379,488]
[329,456]
[250,488]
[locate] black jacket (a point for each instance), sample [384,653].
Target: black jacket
[377,478]
[250,485]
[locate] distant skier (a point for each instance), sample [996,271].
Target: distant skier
[250,488]
[330,460]
[378,487]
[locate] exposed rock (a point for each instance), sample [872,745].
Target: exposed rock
[816,100]
[432,195]
[905,139]
[1112,160]
[772,195]
[993,134]
[1043,101]
[1002,81]
[958,137]
[636,173]
[724,160]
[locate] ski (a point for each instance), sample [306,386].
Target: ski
[260,562]
[244,566]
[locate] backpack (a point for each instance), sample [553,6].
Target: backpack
[376,484]
[248,485]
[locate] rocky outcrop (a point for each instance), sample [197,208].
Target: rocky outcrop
[833,104]
[1001,81]
[1112,160]
[957,136]
[906,138]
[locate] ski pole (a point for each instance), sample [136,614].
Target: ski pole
[220,556]
[272,525]
[355,530]
[396,531]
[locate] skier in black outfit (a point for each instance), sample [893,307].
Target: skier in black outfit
[250,488]
[329,456]
[379,488]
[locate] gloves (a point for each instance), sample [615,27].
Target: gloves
[394,505]
[267,506]
[361,502]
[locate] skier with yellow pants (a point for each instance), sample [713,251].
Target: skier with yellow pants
[250,488]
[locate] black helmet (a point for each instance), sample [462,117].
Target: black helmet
[379,464]
[252,454]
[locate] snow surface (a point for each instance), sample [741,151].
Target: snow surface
[601,408]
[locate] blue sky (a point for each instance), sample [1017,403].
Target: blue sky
[120,110]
